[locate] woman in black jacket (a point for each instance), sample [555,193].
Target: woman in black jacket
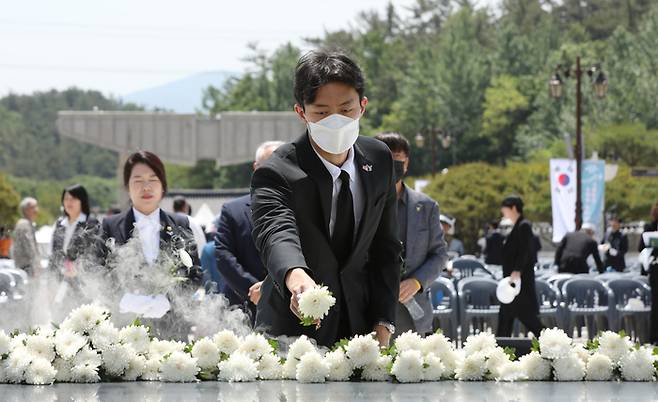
[74,235]
[518,263]
[161,235]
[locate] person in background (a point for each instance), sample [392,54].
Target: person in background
[73,238]
[615,244]
[518,264]
[574,249]
[455,246]
[238,261]
[423,245]
[25,251]
[493,250]
[183,208]
[653,275]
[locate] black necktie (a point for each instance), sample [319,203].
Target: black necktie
[341,240]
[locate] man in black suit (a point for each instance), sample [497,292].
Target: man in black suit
[324,212]
[616,246]
[493,249]
[574,249]
[237,258]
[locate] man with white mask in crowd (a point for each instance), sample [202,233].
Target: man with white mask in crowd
[324,212]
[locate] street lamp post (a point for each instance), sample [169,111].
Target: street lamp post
[600,86]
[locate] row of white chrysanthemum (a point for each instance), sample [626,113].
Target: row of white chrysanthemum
[87,347]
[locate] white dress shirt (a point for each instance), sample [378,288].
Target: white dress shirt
[69,229]
[355,187]
[148,227]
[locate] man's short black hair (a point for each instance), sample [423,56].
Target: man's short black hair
[513,201]
[321,67]
[179,204]
[396,142]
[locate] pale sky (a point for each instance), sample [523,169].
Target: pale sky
[122,46]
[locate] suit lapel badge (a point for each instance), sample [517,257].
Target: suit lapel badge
[367,168]
[419,207]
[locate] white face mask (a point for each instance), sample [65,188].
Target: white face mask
[334,134]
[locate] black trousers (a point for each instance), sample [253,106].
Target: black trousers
[524,313]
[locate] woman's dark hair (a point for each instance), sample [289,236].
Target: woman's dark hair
[513,201]
[149,159]
[321,67]
[79,192]
[395,142]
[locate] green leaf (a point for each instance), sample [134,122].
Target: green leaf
[622,333]
[511,352]
[439,331]
[274,344]
[535,345]
[137,322]
[340,344]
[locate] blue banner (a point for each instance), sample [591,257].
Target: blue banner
[593,192]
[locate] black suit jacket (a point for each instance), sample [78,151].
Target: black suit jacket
[291,207]
[81,245]
[572,252]
[518,255]
[237,258]
[120,227]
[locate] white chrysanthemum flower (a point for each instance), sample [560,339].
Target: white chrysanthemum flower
[554,343]
[41,346]
[206,353]
[408,341]
[599,368]
[104,335]
[5,341]
[135,369]
[638,365]
[340,368]
[433,367]
[614,346]
[64,368]
[185,258]
[300,347]
[45,330]
[16,364]
[84,373]
[239,367]
[438,344]
[379,370]
[472,368]
[510,371]
[152,369]
[68,343]
[362,350]
[136,336]
[84,318]
[227,341]
[158,349]
[290,369]
[482,342]
[496,359]
[316,302]
[312,368]
[116,359]
[40,372]
[255,345]
[569,368]
[535,367]
[269,367]
[408,366]
[580,351]
[179,367]
[87,357]
[17,341]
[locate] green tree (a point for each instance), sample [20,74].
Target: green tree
[9,200]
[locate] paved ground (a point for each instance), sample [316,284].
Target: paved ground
[290,391]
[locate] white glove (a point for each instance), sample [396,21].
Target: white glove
[613,252]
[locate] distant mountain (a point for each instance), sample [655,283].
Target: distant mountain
[181,96]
